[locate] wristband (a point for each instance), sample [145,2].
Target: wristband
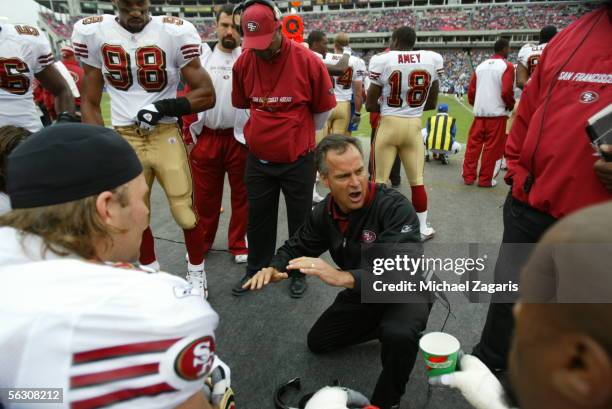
[173,106]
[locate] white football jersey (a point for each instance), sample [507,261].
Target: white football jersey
[138,68]
[343,84]
[107,336]
[529,56]
[405,78]
[24,51]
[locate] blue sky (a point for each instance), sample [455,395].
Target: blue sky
[21,11]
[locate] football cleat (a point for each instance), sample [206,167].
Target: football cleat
[196,278]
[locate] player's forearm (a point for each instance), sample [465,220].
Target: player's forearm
[358,98]
[64,101]
[91,113]
[201,99]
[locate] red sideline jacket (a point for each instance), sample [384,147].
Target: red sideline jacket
[491,89]
[548,139]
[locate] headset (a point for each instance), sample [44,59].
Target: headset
[239,9]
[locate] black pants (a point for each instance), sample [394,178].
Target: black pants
[522,224]
[264,182]
[395,176]
[398,327]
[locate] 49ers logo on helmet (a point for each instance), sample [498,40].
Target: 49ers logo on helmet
[252,26]
[195,360]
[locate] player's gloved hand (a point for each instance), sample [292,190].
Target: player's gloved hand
[68,117]
[148,117]
[355,121]
[476,383]
[347,50]
[335,397]
[218,385]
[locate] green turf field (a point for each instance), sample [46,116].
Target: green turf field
[460,111]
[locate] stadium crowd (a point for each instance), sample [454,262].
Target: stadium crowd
[490,17]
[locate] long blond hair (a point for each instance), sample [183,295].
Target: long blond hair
[73,227]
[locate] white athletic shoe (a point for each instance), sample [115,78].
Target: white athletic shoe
[427,234]
[241,258]
[151,267]
[196,277]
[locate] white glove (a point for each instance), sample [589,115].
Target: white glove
[148,117]
[355,120]
[347,50]
[335,397]
[476,383]
[218,385]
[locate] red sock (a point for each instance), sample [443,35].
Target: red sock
[194,241]
[419,198]
[147,247]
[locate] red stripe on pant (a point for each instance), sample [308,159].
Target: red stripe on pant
[487,139]
[216,153]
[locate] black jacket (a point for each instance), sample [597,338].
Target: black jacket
[390,218]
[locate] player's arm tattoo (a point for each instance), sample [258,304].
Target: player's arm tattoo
[51,79]
[91,95]
[202,94]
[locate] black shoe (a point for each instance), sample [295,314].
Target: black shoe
[444,159]
[237,290]
[298,286]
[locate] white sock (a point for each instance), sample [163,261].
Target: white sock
[197,268]
[152,266]
[423,221]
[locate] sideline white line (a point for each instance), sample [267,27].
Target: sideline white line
[463,105]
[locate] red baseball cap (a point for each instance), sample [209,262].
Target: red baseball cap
[66,51]
[258,26]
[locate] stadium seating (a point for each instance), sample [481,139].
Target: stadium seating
[458,63]
[487,17]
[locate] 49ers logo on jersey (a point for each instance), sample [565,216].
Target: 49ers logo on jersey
[588,97]
[195,360]
[252,27]
[368,236]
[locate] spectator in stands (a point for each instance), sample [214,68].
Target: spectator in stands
[10,137]
[551,167]
[491,92]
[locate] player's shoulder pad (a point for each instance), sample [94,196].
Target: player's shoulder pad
[29,34]
[89,25]
[176,26]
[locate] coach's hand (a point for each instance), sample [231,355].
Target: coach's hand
[148,117]
[316,267]
[264,277]
[603,169]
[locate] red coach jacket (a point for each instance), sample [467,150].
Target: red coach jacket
[550,159]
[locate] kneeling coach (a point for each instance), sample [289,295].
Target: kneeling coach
[354,212]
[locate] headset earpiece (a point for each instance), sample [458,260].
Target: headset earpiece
[239,9]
